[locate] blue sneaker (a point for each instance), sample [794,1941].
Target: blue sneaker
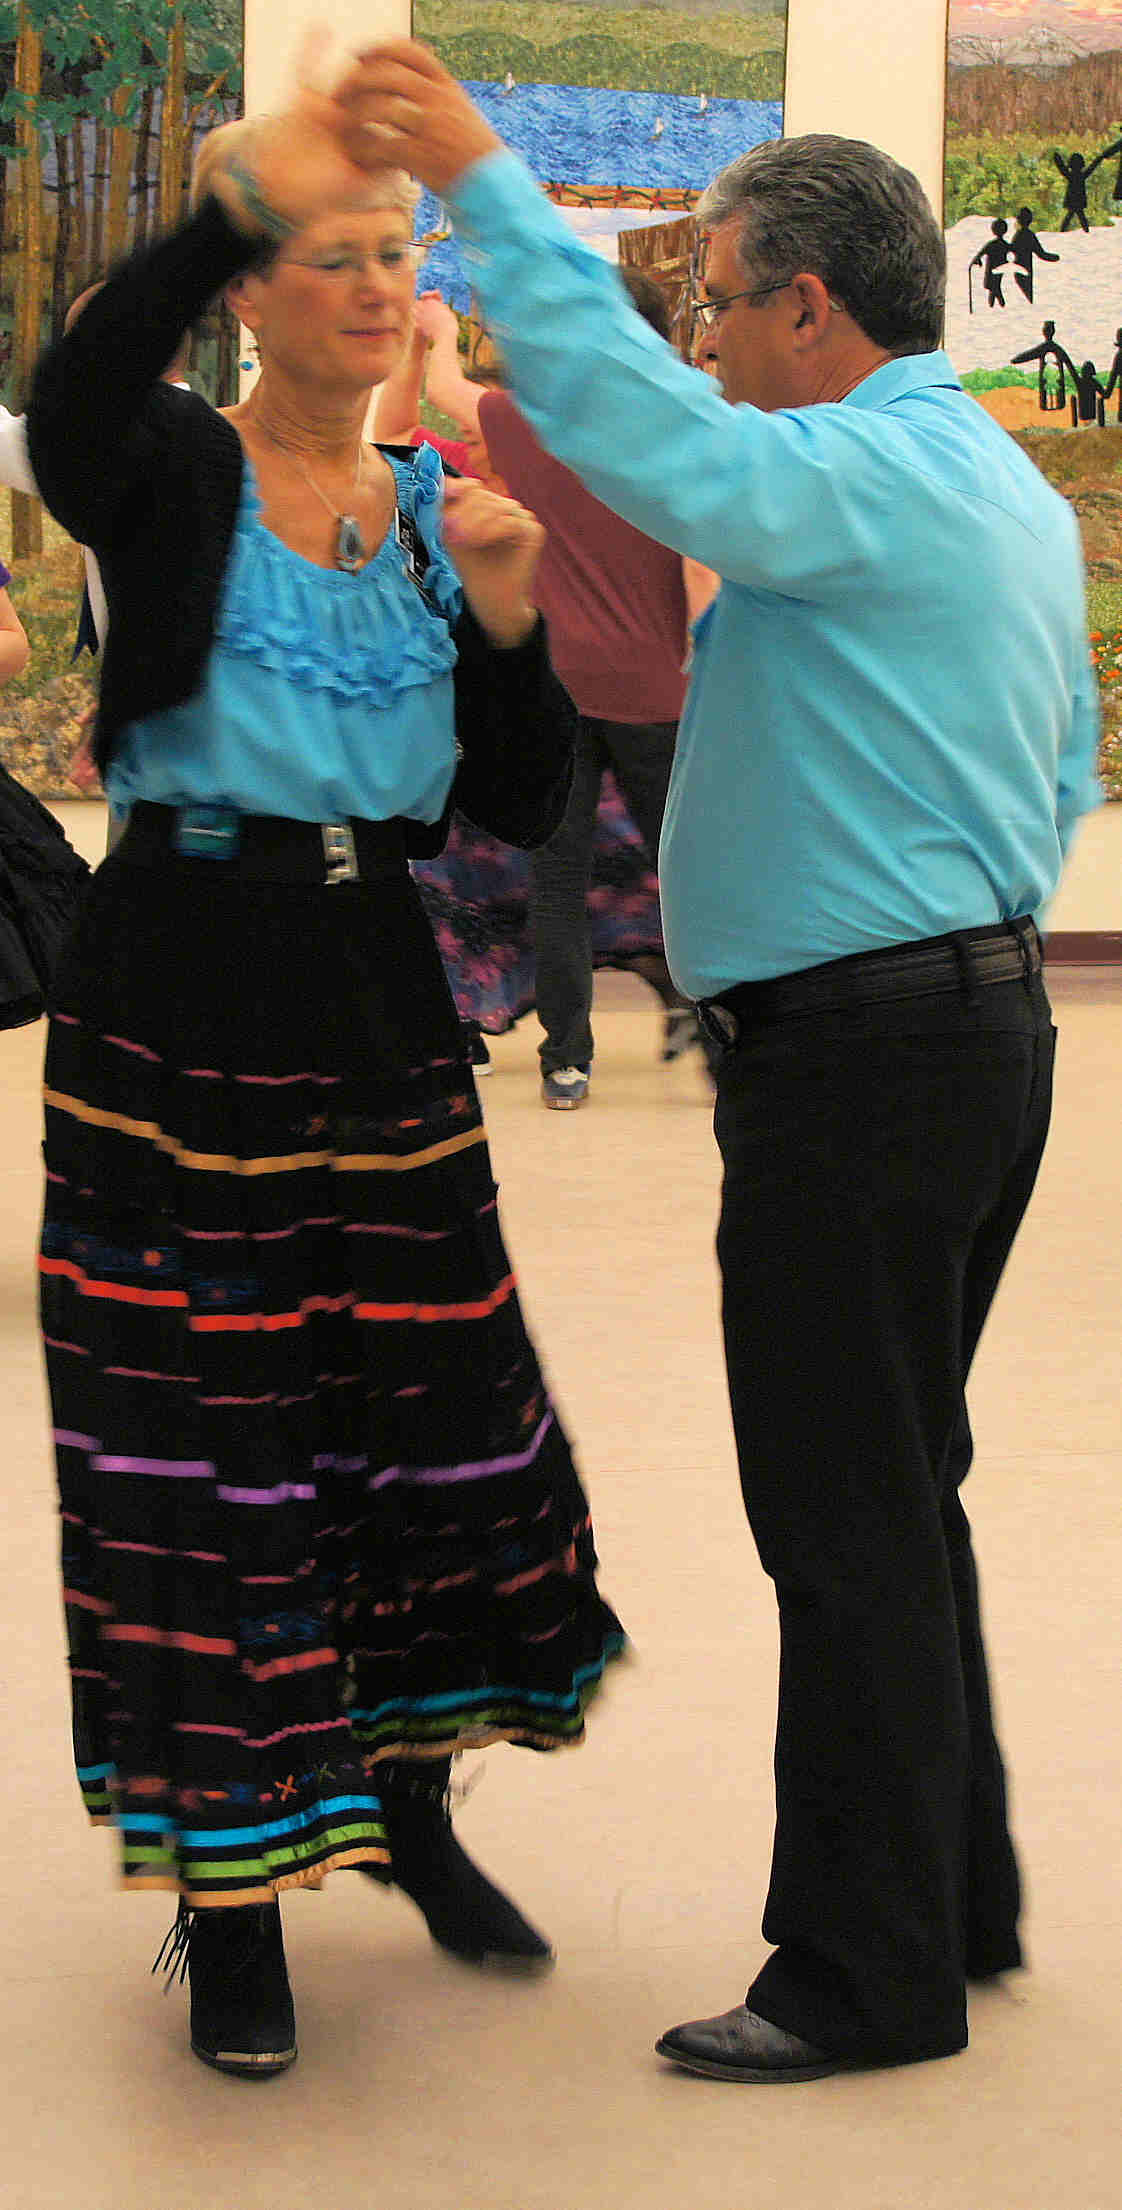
[565,1088]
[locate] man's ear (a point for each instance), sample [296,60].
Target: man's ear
[815,308]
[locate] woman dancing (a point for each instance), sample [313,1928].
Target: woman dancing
[321,1525]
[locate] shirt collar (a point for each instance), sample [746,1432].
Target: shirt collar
[911,372]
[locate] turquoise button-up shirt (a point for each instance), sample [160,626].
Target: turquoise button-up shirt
[892,722]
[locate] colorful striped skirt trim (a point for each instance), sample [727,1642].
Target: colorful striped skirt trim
[317,1507]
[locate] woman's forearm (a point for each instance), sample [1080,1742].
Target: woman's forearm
[91,386]
[517,729]
[397,409]
[448,388]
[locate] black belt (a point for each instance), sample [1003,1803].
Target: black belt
[259,847]
[1010,951]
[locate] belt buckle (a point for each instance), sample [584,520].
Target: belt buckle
[208,832]
[719,1022]
[340,859]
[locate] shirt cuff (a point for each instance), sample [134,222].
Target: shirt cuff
[498,198]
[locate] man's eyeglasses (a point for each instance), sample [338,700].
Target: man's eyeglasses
[705,312]
[392,260]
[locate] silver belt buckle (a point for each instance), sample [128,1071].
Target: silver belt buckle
[340,859]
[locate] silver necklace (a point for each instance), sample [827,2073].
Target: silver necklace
[350,545]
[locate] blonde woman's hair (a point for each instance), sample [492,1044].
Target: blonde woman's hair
[387,187]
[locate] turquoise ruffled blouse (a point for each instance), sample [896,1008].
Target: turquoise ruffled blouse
[326,695]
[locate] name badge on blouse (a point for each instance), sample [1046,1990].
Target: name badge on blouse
[409,538]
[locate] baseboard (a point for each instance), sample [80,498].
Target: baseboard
[1084,948]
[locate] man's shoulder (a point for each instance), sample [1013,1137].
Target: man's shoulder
[500,418]
[966,474]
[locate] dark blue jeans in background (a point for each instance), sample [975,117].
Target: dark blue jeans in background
[640,755]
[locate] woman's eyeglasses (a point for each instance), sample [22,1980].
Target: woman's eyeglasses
[391,260]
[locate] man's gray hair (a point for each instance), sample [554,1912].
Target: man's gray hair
[839,209]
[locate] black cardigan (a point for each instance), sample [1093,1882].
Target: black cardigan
[150,477]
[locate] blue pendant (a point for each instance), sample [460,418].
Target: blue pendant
[350,552]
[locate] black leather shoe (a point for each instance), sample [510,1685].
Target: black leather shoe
[465,1913]
[739,2045]
[242,2020]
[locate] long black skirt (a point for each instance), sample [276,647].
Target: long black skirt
[317,1507]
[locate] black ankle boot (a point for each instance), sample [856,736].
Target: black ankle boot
[242,2019]
[465,1913]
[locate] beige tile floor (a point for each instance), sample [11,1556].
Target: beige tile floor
[421,2087]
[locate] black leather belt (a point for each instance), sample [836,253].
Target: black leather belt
[258,847]
[966,961]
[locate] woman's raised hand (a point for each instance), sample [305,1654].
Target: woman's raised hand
[394,107]
[274,173]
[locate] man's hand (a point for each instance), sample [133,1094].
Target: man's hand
[495,544]
[408,107]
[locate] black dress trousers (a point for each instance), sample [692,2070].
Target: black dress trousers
[878,1161]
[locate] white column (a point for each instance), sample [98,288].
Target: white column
[274,29]
[865,68]
[872,69]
